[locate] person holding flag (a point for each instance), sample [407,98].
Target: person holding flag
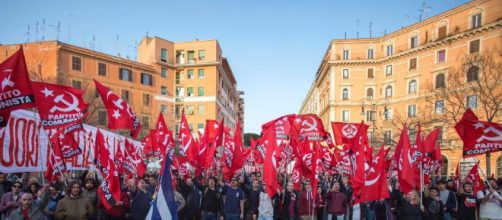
[490,201]
[467,203]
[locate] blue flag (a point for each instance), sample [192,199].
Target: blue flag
[164,207]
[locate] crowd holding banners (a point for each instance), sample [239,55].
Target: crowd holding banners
[300,173]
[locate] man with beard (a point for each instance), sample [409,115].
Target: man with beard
[466,203]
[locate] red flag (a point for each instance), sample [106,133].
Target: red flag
[15,90]
[213,135]
[186,144]
[270,166]
[406,173]
[432,155]
[479,137]
[120,114]
[358,151]
[133,162]
[282,127]
[165,139]
[119,161]
[148,145]
[475,179]
[344,133]
[66,143]
[55,164]
[109,190]
[309,127]
[60,107]
[375,184]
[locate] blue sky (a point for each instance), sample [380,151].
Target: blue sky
[274,47]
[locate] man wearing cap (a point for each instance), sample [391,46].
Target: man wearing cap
[233,199]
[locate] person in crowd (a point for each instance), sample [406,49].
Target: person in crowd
[490,201]
[233,200]
[33,189]
[337,203]
[433,206]
[265,207]
[321,204]
[179,200]
[140,204]
[450,185]
[467,203]
[90,192]
[211,199]
[448,199]
[74,206]
[192,196]
[409,207]
[346,188]
[118,210]
[307,203]
[29,209]
[252,201]
[5,184]
[11,200]
[153,181]
[288,203]
[54,197]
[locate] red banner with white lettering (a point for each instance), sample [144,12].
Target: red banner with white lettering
[479,137]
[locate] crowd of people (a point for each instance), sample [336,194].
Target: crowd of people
[243,197]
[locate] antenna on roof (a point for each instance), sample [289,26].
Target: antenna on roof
[146,33]
[43,29]
[357,28]
[93,43]
[370,26]
[28,34]
[423,10]
[36,31]
[117,44]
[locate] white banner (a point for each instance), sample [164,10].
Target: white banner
[24,145]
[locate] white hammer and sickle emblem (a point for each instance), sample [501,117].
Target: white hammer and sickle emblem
[311,126]
[70,106]
[7,82]
[493,130]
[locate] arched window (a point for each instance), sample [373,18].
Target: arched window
[440,81]
[472,73]
[499,167]
[412,87]
[388,91]
[345,94]
[444,169]
[369,94]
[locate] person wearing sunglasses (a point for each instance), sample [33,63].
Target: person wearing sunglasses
[10,200]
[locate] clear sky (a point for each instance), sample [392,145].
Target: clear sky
[274,47]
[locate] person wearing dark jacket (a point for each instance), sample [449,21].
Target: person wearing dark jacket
[467,203]
[449,200]
[140,204]
[287,203]
[337,203]
[409,208]
[253,198]
[192,196]
[211,199]
[433,206]
[5,185]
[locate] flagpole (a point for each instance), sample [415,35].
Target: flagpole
[421,182]
[39,149]
[483,173]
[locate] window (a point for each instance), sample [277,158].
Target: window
[163,72]
[178,77]
[125,95]
[412,135]
[388,91]
[163,109]
[345,73]
[345,54]
[163,55]
[102,117]
[190,74]
[387,113]
[412,110]
[202,110]
[472,73]
[440,135]
[76,84]
[146,79]
[440,82]
[190,91]
[201,73]
[345,94]
[76,63]
[345,115]
[179,91]
[369,93]
[102,69]
[390,50]
[146,99]
[200,91]
[163,90]
[414,42]
[370,54]
[388,70]
[370,115]
[370,73]
[145,122]
[474,46]
[189,109]
[441,56]
[413,63]
[387,137]
[190,56]
[441,32]
[202,54]
[125,74]
[472,101]
[476,20]
[439,107]
[200,127]
[412,87]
